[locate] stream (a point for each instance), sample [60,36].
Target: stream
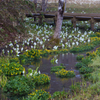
[56,83]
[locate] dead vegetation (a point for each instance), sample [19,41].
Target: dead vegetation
[12,13]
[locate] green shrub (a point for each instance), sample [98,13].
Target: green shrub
[41,79]
[82,48]
[86,60]
[35,55]
[45,53]
[16,60]
[64,50]
[12,68]
[79,65]
[86,76]
[88,47]
[65,73]
[95,43]
[32,55]
[74,50]
[88,53]
[39,95]
[91,54]
[79,57]
[55,51]
[85,70]
[22,59]
[97,34]
[57,68]
[18,86]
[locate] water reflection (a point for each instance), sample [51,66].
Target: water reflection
[56,83]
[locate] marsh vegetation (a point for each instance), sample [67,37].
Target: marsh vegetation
[35,67]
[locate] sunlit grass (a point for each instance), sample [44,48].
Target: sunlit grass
[4,60]
[92,88]
[88,90]
[96,62]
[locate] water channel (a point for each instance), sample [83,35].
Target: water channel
[56,83]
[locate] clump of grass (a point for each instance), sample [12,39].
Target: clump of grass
[86,70]
[95,76]
[41,79]
[4,60]
[95,62]
[65,73]
[92,91]
[59,95]
[75,87]
[79,65]
[12,69]
[39,95]
[86,61]
[3,81]
[57,68]
[79,57]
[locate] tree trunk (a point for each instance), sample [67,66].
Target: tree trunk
[59,19]
[65,5]
[35,3]
[44,5]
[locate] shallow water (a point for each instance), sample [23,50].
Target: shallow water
[56,83]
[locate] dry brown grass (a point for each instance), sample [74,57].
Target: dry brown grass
[76,1]
[78,6]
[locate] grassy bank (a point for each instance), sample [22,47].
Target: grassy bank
[40,44]
[11,19]
[92,91]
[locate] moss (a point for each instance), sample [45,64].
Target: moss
[53,42]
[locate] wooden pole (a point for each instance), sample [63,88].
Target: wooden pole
[74,22]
